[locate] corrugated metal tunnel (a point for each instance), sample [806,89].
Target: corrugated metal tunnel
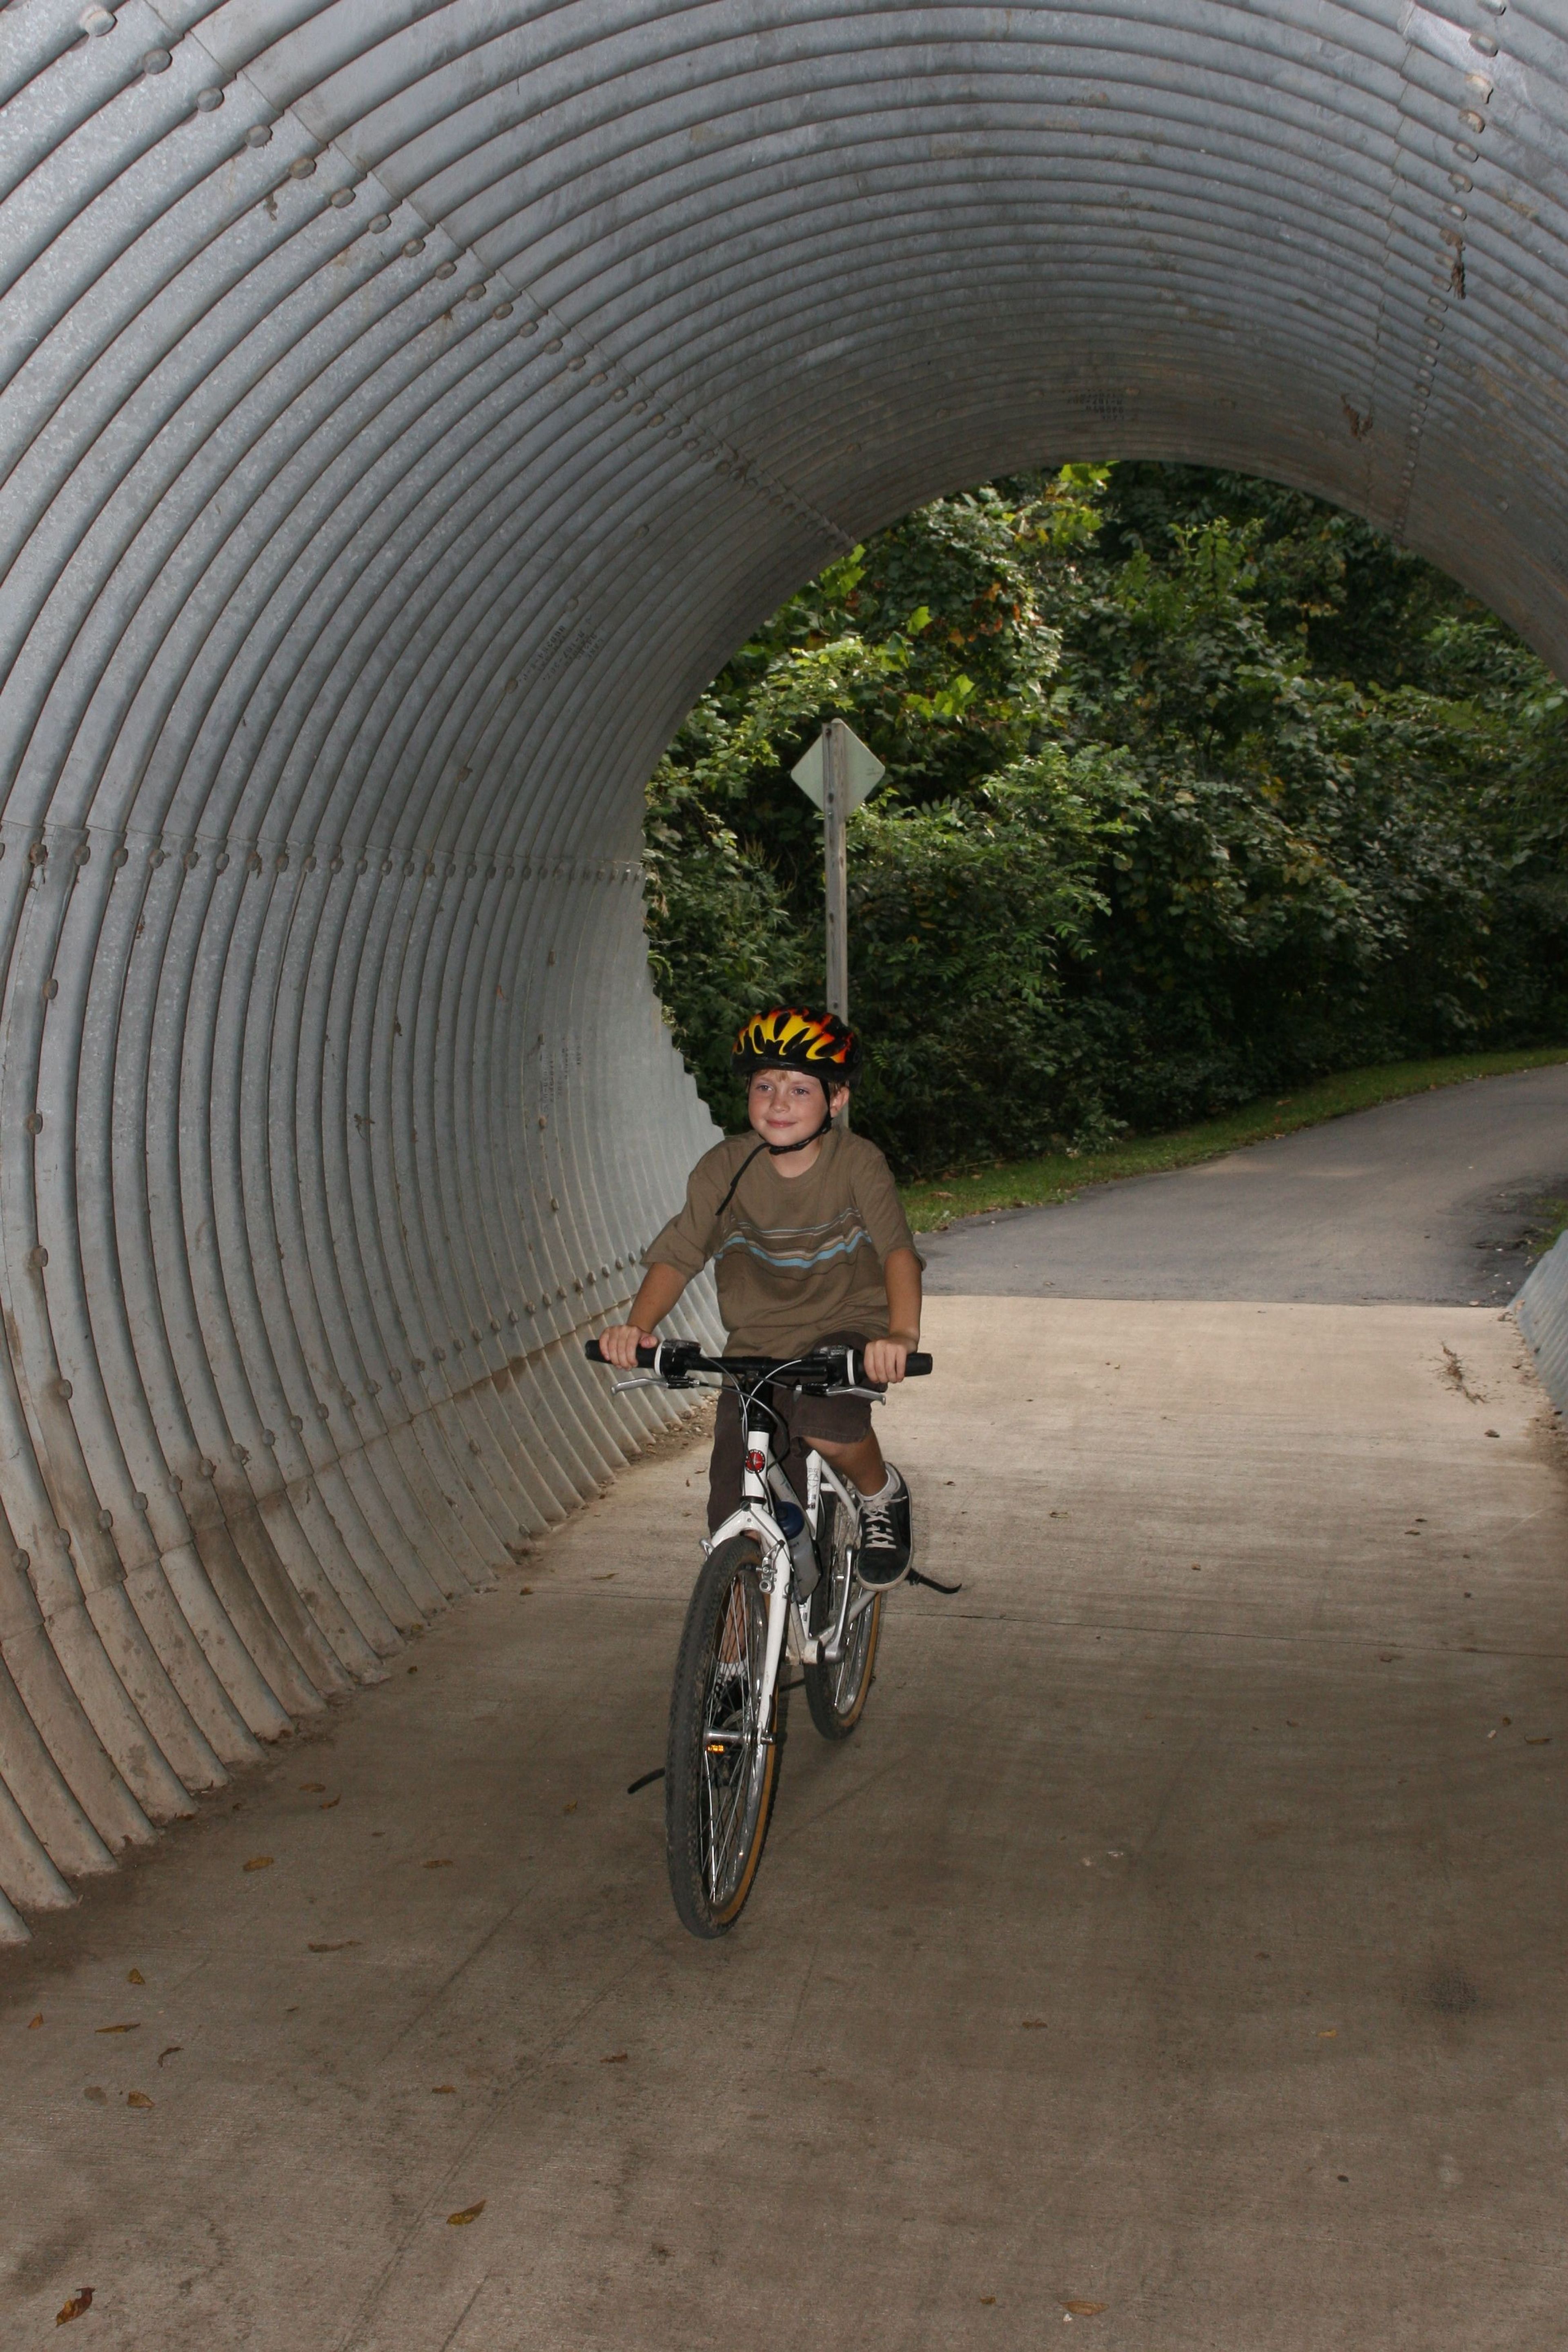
[407,408]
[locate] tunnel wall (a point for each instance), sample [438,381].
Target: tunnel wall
[406,409]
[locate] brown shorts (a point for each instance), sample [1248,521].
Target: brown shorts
[842,1420]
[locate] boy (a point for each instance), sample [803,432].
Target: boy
[810,1243]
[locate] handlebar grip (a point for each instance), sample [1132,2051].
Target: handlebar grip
[646,1356]
[916,1364]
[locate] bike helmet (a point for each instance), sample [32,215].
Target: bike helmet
[789,1038]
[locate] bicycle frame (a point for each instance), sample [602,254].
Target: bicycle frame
[761,1481]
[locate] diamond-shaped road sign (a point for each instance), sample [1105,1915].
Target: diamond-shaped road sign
[864,770]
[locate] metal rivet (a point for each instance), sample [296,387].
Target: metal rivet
[64,1388]
[106,1520]
[475,294]
[51,989]
[321,1411]
[37,1256]
[140,1500]
[502,310]
[446,269]
[21,1560]
[206,1467]
[156,61]
[34,1123]
[221,861]
[96,22]
[258,135]
[554,343]
[302,167]
[281,862]
[380,221]
[209,100]
[296,1421]
[415,244]
[1484,43]
[269,1437]
[253,862]
[341,196]
[529,326]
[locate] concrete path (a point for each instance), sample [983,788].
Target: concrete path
[1175,1954]
[1433,1198]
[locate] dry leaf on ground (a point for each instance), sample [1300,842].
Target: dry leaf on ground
[172,2050]
[350,1943]
[134,1976]
[136,2027]
[313,1788]
[444,1864]
[469,2213]
[34,2023]
[80,2302]
[571,1808]
[259,1862]
[327,1804]
[1036,2024]
[137,2099]
[442,2090]
[1083,2310]
[615,2058]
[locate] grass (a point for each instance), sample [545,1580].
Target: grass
[1033,1183]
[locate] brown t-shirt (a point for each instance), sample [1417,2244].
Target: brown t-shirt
[794,1257]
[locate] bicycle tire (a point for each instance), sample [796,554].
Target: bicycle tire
[836,1695]
[721,1772]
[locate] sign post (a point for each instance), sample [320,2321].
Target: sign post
[837,774]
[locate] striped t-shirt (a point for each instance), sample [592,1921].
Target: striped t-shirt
[794,1257]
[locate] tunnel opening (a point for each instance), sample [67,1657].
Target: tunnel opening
[1196,790]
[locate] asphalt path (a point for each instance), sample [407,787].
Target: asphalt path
[1437,1199]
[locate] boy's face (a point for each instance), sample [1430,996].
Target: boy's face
[786,1107]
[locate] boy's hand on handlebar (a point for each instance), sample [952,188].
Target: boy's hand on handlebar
[619,1345]
[884,1361]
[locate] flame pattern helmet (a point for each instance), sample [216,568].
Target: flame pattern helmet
[792,1039]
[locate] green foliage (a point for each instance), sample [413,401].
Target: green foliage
[1195,787]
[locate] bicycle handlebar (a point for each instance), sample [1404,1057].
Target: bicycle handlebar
[678,1359]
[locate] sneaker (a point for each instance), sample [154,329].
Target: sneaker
[885,1541]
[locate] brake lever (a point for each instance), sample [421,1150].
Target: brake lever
[640,1380]
[877,1396]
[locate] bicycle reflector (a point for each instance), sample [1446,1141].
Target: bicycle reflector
[756,1460]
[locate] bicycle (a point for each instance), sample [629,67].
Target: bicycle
[778,1585]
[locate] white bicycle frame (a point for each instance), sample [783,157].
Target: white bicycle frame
[763,1482]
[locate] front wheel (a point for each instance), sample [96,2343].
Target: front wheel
[836,1694]
[721,1762]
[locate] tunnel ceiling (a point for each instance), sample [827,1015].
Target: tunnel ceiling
[405,411]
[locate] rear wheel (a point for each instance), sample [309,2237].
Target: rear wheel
[721,1767]
[836,1694]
